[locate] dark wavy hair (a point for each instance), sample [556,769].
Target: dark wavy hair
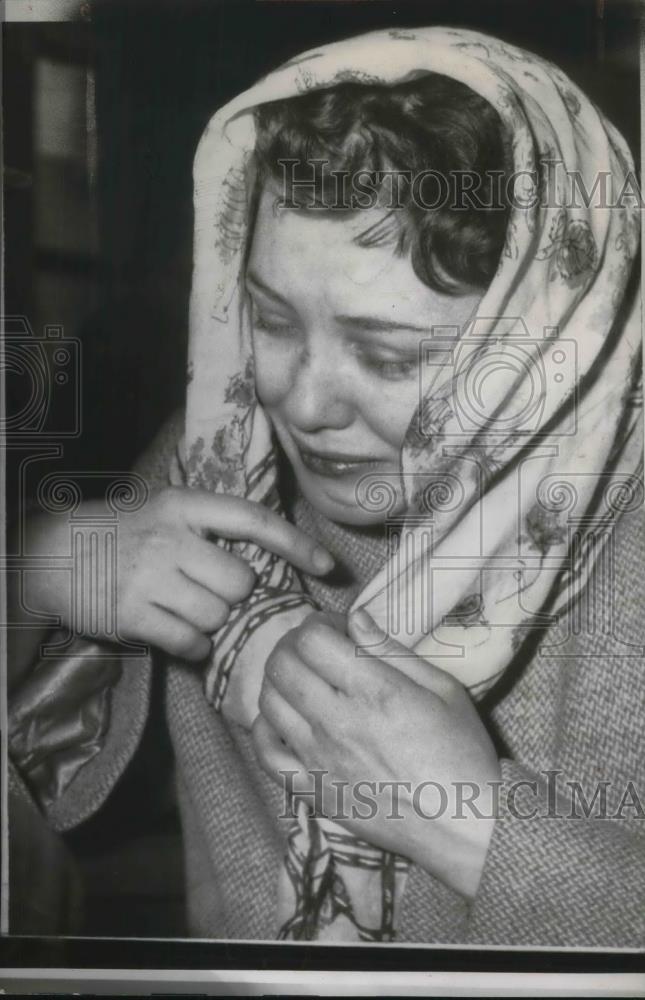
[432,123]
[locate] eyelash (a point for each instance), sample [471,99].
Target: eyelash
[276,329]
[390,371]
[393,371]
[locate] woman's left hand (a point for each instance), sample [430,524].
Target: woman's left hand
[406,765]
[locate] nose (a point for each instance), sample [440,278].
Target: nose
[318,396]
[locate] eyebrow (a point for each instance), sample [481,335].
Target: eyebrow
[367,323]
[252,277]
[379,323]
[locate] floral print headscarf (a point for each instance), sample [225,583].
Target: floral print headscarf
[526,445]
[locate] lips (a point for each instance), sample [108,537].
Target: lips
[334,464]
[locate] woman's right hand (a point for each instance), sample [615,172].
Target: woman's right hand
[173,586]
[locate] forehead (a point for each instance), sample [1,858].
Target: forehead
[296,241]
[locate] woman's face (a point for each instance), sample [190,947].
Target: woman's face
[336,329]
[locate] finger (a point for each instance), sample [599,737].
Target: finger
[219,571]
[172,635]
[310,695]
[193,603]
[330,654]
[284,767]
[335,619]
[382,648]
[288,724]
[341,660]
[273,755]
[233,517]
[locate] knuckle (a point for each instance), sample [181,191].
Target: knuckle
[258,735]
[272,660]
[319,732]
[385,690]
[261,516]
[198,649]
[245,582]
[270,670]
[220,615]
[140,625]
[353,684]
[274,668]
[310,634]
[256,727]
[255,737]
[302,642]
[153,544]
[265,700]
[264,756]
[448,687]
[131,628]
[286,642]
[189,643]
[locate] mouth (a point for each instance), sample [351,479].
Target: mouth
[335,464]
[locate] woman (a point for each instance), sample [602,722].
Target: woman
[441,392]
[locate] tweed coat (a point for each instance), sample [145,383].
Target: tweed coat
[569,723]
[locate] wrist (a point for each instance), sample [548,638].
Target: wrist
[47,589]
[68,574]
[452,843]
[462,854]
[36,598]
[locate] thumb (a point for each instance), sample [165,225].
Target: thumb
[375,642]
[362,628]
[334,619]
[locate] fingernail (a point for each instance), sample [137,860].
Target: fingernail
[364,621]
[322,560]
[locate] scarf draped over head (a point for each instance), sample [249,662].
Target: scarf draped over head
[526,445]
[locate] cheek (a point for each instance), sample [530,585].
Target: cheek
[388,407]
[272,373]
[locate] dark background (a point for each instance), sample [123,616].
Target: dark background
[161,69]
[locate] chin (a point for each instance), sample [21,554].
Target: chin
[352,517]
[342,510]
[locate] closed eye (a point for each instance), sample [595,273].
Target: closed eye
[273,327]
[392,371]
